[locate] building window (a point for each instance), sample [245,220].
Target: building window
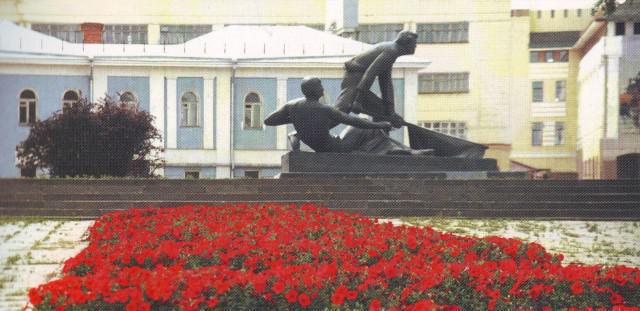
[539,14]
[376,33]
[559,135]
[561,90]
[538,91]
[28,172]
[252,111]
[191,175]
[69,98]
[636,28]
[566,13]
[125,34]
[579,13]
[536,134]
[28,107]
[252,174]
[176,34]
[129,99]
[452,128]
[443,32]
[593,12]
[620,29]
[554,56]
[189,111]
[67,32]
[553,13]
[455,82]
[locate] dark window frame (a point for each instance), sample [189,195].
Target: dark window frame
[620,29]
[180,33]
[443,83]
[120,34]
[376,33]
[443,33]
[537,133]
[540,89]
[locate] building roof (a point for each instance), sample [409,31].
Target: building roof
[626,12]
[237,43]
[556,39]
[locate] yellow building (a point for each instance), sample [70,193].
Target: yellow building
[546,140]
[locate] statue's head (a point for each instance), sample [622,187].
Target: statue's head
[312,88]
[407,41]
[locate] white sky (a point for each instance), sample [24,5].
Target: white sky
[551,4]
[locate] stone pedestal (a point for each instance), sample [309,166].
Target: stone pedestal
[362,164]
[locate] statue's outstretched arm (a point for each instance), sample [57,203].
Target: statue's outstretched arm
[341,117]
[279,117]
[381,64]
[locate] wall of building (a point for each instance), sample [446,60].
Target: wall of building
[547,23]
[190,137]
[49,90]
[138,86]
[251,138]
[591,110]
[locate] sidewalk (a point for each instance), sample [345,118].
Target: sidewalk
[32,252]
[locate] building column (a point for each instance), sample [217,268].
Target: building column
[100,84]
[208,126]
[172,113]
[613,96]
[223,126]
[410,98]
[153,34]
[281,131]
[156,99]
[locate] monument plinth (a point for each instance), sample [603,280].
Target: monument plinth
[299,163]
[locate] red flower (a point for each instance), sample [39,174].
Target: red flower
[616,299]
[576,288]
[339,295]
[304,300]
[278,287]
[375,305]
[189,257]
[291,296]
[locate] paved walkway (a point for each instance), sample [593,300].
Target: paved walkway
[32,252]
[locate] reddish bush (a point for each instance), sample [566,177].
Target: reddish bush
[284,257]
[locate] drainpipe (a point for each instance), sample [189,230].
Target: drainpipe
[91,79]
[234,66]
[605,60]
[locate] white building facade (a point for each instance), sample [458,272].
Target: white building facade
[209,95]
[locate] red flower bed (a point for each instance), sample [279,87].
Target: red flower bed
[285,257]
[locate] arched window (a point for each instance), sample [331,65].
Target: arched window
[70,97]
[129,99]
[189,104]
[252,111]
[28,107]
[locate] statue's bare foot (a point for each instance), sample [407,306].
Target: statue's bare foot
[294,141]
[424,152]
[399,152]
[418,152]
[356,108]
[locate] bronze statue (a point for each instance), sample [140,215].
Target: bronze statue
[313,120]
[362,70]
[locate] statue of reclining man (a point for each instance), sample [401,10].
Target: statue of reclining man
[313,120]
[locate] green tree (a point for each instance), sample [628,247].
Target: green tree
[109,138]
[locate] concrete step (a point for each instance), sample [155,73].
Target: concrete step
[579,210]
